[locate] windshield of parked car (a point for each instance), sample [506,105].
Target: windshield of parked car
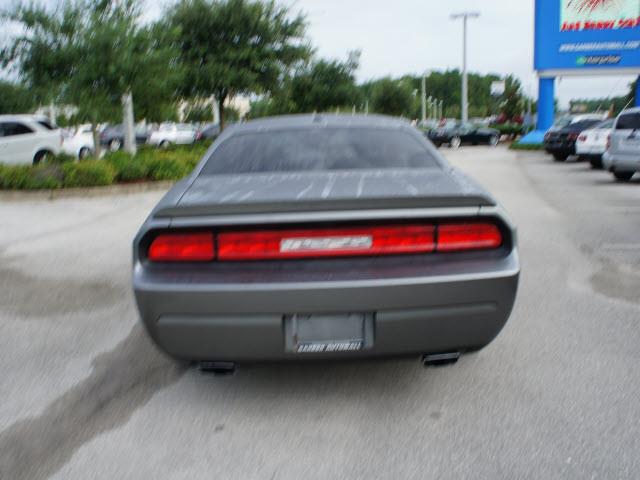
[318,149]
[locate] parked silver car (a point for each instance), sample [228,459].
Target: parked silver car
[622,157]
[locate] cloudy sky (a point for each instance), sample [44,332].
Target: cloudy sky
[411,36]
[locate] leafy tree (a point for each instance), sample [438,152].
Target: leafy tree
[391,97]
[91,53]
[231,47]
[512,99]
[325,85]
[15,98]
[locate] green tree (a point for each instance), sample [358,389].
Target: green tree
[231,47]
[391,97]
[512,99]
[325,85]
[91,53]
[15,98]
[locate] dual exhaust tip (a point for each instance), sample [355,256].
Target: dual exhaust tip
[428,360]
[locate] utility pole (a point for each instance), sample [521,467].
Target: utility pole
[465,88]
[423,98]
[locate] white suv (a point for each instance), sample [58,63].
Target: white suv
[27,139]
[622,157]
[174,133]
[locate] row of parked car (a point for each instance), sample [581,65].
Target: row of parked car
[610,143]
[28,139]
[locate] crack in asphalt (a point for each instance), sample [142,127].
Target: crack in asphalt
[122,380]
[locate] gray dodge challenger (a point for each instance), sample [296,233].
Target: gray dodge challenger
[320,237]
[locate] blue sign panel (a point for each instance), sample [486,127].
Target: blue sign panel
[587,34]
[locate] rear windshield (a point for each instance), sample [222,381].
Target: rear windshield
[318,149]
[628,121]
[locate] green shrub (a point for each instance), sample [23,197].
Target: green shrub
[526,146]
[26,177]
[167,168]
[128,168]
[90,173]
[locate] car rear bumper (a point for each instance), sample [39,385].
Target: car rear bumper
[245,322]
[621,162]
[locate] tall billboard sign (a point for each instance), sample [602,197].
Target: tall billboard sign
[576,37]
[582,37]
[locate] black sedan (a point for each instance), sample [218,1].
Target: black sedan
[324,237]
[561,142]
[463,134]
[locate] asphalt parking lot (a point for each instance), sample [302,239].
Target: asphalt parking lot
[86,395]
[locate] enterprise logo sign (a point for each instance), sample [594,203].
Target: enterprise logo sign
[598,60]
[347,242]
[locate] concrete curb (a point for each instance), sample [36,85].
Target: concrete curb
[121,189]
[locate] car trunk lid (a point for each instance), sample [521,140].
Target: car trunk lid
[326,191]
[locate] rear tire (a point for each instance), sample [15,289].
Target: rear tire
[623,176]
[560,157]
[84,153]
[115,145]
[42,156]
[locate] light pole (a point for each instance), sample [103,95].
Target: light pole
[465,95]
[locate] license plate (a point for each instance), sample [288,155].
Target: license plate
[328,333]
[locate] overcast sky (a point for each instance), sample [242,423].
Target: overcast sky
[411,36]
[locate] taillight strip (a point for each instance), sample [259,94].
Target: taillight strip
[324,242]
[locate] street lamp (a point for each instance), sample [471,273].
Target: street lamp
[465,96]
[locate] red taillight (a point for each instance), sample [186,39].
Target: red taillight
[277,244]
[582,138]
[608,142]
[468,236]
[572,136]
[182,247]
[324,242]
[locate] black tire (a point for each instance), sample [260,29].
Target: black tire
[84,153]
[560,157]
[582,158]
[42,156]
[438,144]
[115,144]
[623,176]
[596,163]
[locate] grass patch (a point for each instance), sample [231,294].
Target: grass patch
[526,146]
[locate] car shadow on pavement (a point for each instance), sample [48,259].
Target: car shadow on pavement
[122,380]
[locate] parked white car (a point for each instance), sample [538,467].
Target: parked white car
[174,133]
[592,143]
[27,139]
[79,144]
[622,157]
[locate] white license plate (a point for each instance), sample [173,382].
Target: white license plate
[328,333]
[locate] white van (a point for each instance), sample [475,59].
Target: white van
[27,139]
[622,157]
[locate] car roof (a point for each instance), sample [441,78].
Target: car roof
[22,118]
[287,122]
